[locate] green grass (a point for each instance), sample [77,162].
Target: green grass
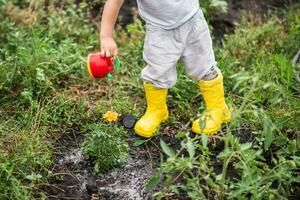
[41,67]
[45,90]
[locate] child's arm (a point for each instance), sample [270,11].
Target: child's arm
[109,17]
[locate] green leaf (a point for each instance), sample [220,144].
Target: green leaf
[2,2]
[204,139]
[211,183]
[174,189]
[246,146]
[282,122]
[161,158]
[268,135]
[153,182]
[281,140]
[191,148]
[225,153]
[168,181]
[40,74]
[139,142]
[167,150]
[33,177]
[219,4]
[202,124]
[180,134]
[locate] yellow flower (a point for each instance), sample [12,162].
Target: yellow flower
[110,116]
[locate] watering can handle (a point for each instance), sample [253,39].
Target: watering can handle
[118,66]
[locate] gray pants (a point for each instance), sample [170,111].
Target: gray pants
[163,48]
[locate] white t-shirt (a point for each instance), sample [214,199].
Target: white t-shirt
[167,14]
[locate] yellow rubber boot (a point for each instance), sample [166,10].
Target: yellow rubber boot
[216,112]
[156,112]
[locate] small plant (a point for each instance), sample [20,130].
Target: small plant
[106,145]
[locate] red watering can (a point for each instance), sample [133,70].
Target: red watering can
[99,66]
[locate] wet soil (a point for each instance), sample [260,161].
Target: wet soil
[73,175]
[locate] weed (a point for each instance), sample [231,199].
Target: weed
[106,146]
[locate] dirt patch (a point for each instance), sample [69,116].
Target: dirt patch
[74,178]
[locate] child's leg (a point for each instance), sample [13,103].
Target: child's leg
[200,64]
[161,53]
[211,74]
[217,111]
[156,112]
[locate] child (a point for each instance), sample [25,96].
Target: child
[174,29]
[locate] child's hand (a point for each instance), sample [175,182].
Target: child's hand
[109,17]
[109,47]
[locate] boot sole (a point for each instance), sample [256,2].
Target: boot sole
[150,134]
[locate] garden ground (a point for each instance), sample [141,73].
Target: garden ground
[55,144]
